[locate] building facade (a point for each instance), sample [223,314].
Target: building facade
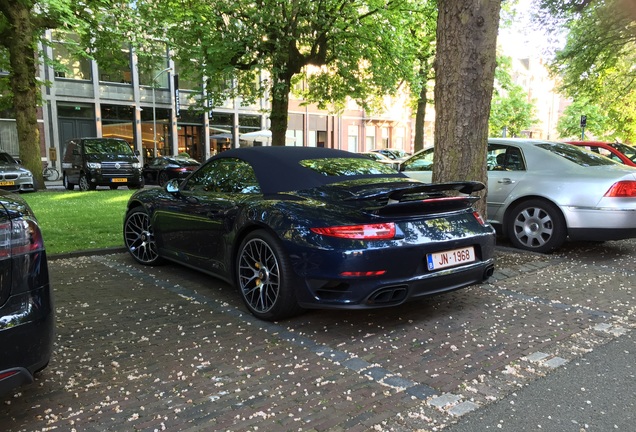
[153,111]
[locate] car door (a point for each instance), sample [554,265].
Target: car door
[506,168]
[198,230]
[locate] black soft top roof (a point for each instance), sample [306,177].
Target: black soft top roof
[278,168]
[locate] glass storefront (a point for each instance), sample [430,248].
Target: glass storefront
[221,127]
[190,134]
[117,122]
[155,141]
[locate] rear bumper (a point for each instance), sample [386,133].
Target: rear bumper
[600,224]
[27,332]
[372,294]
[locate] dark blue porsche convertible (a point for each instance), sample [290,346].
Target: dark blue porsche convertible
[300,227]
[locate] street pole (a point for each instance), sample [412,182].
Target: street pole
[154,114]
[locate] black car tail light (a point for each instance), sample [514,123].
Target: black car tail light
[381,231]
[479,218]
[19,236]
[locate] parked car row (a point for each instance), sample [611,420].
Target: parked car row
[295,227]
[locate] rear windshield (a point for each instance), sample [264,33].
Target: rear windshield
[576,154]
[106,146]
[336,167]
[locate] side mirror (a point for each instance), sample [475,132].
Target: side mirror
[172,186]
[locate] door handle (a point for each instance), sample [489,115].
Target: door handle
[506,181]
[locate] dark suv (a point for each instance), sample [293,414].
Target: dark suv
[92,162]
[26,305]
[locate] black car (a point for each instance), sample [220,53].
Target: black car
[300,227]
[26,305]
[163,168]
[92,162]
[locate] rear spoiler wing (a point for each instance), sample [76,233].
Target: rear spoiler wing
[396,194]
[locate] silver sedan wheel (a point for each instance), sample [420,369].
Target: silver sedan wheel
[259,275]
[537,226]
[139,237]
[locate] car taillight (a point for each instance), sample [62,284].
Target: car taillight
[479,218]
[622,189]
[20,236]
[7,374]
[383,231]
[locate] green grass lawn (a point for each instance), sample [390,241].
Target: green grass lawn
[76,221]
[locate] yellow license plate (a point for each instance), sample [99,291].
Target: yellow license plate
[7,183]
[118,180]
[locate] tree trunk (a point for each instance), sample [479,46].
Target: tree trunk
[280,107]
[420,117]
[22,57]
[464,71]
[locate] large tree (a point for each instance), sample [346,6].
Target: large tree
[22,25]
[358,48]
[464,75]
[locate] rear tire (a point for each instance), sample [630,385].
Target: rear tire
[68,185]
[536,225]
[265,278]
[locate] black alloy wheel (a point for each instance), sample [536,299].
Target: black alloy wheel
[139,238]
[265,278]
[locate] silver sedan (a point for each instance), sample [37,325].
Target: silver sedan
[540,193]
[13,176]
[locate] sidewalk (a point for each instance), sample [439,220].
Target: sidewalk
[168,348]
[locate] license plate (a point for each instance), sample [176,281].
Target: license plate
[118,180]
[7,183]
[450,258]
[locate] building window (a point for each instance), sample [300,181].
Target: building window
[69,60]
[370,137]
[190,77]
[352,138]
[9,137]
[114,65]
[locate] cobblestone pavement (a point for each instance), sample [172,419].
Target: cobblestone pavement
[167,348]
